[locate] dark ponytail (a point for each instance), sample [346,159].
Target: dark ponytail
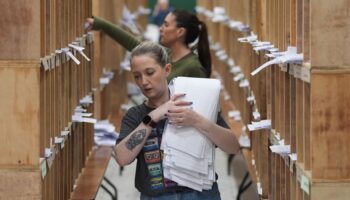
[195,29]
[203,48]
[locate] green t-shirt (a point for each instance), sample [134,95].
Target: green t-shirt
[188,66]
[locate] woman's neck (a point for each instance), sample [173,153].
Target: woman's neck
[158,101]
[178,51]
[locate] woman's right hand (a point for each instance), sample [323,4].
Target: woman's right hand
[88,23]
[161,112]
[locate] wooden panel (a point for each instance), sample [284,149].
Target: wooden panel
[277,97]
[293,185]
[93,173]
[20,25]
[293,18]
[283,189]
[330,138]
[288,176]
[287,109]
[334,191]
[293,111]
[287,23]
[20,185]
[308,116]
[248,157]
[299,26]
[19,120]
[262,19]
[299,121]
[306,30]
[329,33]
[282,105]
[307,142]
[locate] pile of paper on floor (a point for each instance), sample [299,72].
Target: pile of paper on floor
[105,134]
[188,155]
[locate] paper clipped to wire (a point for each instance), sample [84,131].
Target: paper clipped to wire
[290,56]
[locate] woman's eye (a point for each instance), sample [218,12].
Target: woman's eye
[150,72]
[136,77]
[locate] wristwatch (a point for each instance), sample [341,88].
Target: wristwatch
[147,120]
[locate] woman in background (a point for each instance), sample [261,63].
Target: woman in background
[179,30]
[160,11]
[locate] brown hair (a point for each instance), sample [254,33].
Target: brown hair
[156,51]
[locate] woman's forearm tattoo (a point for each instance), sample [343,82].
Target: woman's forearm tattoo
[135,139]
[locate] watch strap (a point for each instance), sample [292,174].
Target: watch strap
[147,120]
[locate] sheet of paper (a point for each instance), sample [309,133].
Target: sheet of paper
[234,113]
[293,156]
[235,70]
[80,50]
[256,115]
[86,100]
[44,63]
[43,168]
[280,149]
[65,133]
[244,83]
[244,141]
[264,47]
[305,74]
[230,62]
[70,55]
[290,56]
[260,43]
[79,109]
[263,124]
[305,184]
[251,38]
[83,114]
[263,66]
[251,98]
[238,77]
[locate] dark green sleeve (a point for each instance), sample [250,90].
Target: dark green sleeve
[124,38]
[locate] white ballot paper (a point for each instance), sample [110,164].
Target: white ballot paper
[188,155]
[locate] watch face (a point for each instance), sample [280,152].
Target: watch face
[147,119]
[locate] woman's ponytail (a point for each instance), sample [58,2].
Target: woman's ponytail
[203,48]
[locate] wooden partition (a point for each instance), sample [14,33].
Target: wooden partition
[305,99]
[43,80]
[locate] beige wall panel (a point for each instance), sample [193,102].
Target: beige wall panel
[20,185]
[20,29]
[329,33]
[19,119]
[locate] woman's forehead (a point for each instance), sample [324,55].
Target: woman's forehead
[170,18]
[142,62]
[143,58]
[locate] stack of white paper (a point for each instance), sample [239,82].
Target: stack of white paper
[105,134]
[188,155]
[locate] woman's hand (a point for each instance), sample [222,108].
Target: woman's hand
[88,23]
[182,114]
[175,102]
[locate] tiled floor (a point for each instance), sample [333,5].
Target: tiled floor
[228,184]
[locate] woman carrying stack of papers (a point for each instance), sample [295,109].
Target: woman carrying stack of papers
[187,124]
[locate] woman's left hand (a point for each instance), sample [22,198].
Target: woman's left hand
[182,116]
